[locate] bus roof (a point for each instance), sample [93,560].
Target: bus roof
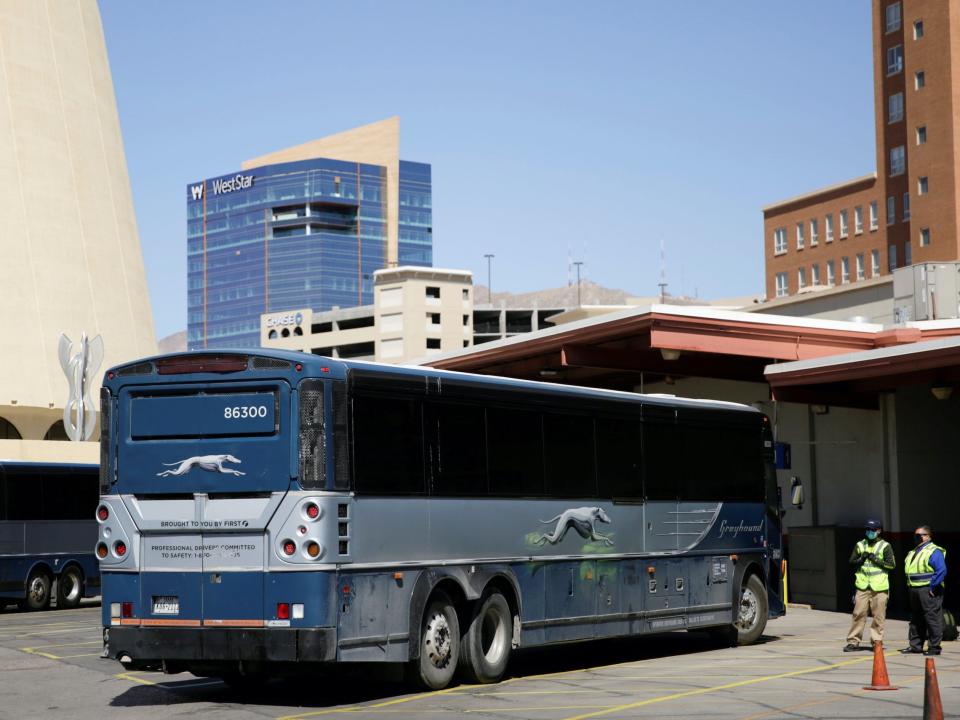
[337,368]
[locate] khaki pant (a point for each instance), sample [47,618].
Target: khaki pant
[876,602]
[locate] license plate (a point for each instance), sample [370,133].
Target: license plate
[166,605]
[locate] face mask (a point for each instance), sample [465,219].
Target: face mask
[918,538]
[871,534]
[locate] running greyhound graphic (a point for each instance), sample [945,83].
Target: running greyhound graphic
[213,463]
[581,519]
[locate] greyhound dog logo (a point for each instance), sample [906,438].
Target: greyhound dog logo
[212,463]
[581,519]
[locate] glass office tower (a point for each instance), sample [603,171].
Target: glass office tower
[298,234]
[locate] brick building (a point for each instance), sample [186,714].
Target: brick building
[905,212]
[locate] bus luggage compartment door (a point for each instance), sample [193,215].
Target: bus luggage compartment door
[232,580]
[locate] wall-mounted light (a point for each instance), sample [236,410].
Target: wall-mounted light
[820,409]
[669,354]
[942,392]
[549,373]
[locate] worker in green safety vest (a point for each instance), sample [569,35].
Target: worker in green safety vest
[926,570]
[873,559]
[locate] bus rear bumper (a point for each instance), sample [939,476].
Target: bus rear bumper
[143,648]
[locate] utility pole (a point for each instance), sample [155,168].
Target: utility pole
[489,257]
[578,263]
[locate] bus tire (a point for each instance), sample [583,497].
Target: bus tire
[69,588]
[485,645]
[752,611]
[439,644]
[37,591]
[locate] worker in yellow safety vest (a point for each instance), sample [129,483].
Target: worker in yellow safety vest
[873,559]
[926,571]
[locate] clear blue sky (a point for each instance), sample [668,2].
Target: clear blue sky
[606,127]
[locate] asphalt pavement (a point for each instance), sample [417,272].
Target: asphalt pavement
[50,667]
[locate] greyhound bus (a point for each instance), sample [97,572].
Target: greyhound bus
[47,533]
[263,512]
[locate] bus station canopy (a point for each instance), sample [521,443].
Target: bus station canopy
[623,349]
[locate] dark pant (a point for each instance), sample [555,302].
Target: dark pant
[926,617]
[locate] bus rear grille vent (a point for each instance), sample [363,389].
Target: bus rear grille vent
[144,368]
[313,439]
[264,363]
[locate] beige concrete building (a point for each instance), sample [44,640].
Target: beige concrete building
[417,312]
[70,259]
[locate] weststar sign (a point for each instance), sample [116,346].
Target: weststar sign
[222,186]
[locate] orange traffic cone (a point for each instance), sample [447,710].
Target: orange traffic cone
[932,707]
[881,681]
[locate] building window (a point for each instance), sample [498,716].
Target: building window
[861,272]
[919,80]
[898,160]
[891,210]
[858,219]
[831,274]
[466,294]
[895,108]
[799,236]
[891,258]
[874,263]
[922,185]
[893,17]
[433,293]
[895,60]
[906,206]
[924,237]
[434,318]
[843,224]
[466,320]
[922,135]
[801,278]
[907,254]
[782,284]
[844,270]
[814,274]
[917,29]
[433,343]
[874,221]
[814,232]
[829,224]
[779,241]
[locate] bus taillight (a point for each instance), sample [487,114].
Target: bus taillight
[312,510]
[102,513]
[127,610]
[289,547]
[313,549]
[102,551]
[283,611]
[120,548]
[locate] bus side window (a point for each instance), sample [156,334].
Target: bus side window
[663,458]
[570,456]
[461,463]
[618,458]
[387,445]
[515,452]
[23,496]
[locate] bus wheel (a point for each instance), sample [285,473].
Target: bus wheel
[38,591]
[752,612]
[485,646]
[69,588]
[439,644]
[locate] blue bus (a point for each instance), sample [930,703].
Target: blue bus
[47,533]
[264,512]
